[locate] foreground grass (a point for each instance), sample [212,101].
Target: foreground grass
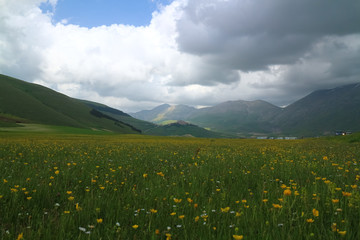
[134,187]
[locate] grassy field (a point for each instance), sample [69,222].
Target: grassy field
[137,187]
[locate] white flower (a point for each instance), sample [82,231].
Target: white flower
[82,229]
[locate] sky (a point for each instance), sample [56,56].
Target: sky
[135,55]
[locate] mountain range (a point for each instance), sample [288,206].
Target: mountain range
[23,103]
[320,113]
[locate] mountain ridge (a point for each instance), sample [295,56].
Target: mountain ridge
[321,112]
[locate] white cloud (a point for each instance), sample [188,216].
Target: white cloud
[193,52]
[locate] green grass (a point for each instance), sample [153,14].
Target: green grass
[37,104]
[141,187]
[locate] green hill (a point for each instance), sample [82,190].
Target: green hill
[23,102]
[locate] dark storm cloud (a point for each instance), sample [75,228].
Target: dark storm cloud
[251,35]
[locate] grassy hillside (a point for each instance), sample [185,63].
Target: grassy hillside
[37,104]
[323,112]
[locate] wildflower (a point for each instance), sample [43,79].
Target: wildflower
[66,212]
[160,174]
[265,200]
[69,192]
[225,209]
[346,194]
[153,210]
[342,233]
[20,236]
[218,189]
[82,229]
[168,236]
[287,192]
[310,220]
[173,213]
[283,186]
[177,200]
[78,208]
[197,218]
[277,205]
[157,231]
[71,198]
[145,175]
[189,200]
[238,237]
[99,220]
[333,227]
[28,198]
[335,200]
[315,212]
[57,172]
[354,186]
[243,201]
[181,216]
[135,226]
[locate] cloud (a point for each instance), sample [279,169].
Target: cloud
[252,35]
[193,52]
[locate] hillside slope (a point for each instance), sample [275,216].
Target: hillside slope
[322,112]
[37,104]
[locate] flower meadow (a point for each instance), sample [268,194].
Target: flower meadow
[138,187]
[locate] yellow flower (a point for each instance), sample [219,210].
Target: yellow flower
[354,186]
[20,236]
[287,192]
[69,192]
[57,172]
[66,212]
[333,227]
[342,233]
[277,205]
[78,208]
[283,186]
[160,174]
[346,194]
[315,212]
[197,218]
[28,198]
[238,237]
[99,220]
[243,201]
[189,200]
[71,198]
[310,220]
[168,236]
[181,216]
[225,209]
[153,210]
[173,213]
[177,200]
[157,231]
[145,175]
[135,226]
[265,200]
[335,200]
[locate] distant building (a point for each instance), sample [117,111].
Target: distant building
[342,133]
